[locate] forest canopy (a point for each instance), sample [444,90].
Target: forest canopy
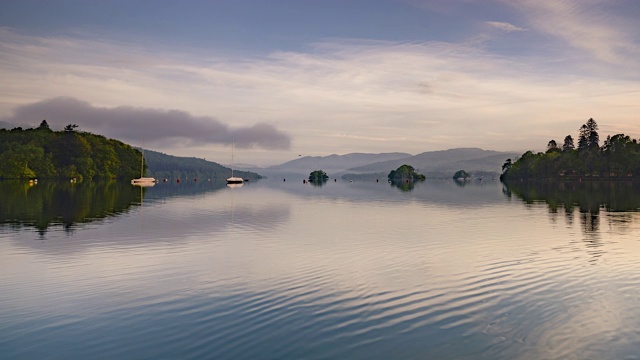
[43,153]
[617,158]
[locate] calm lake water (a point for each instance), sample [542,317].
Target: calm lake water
[286,270]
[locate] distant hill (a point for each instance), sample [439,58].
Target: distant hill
[334,163]
[443,163]
[167,166]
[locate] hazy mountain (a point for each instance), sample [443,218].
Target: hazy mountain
[444,163]
[167,166]
[333,164]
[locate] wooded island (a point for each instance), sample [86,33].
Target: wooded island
[617,158]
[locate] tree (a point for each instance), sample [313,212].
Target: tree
[318,176]
[405,173]
[44,125]
[568,143]
[593,138]
[461,174]
[583,142]
[552,145]
[70,127]
[506,166]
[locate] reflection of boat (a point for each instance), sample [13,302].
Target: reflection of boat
[234,185]
[143,181]
[232,179]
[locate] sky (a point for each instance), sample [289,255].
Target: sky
[282,79]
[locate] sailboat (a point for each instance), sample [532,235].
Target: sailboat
[232,179]
[143,181]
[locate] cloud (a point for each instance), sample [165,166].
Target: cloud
[504,26]
[594,26]
[409,96]
[7,125]
[151,126]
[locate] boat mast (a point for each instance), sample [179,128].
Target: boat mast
[142,164]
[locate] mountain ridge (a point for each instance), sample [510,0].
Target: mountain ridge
[438,163]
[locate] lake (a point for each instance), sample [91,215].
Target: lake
[348,270]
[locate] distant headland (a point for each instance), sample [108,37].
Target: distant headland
[617,159]
[70,154]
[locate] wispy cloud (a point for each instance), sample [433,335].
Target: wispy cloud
[504,26]
[590,25]
[429,94]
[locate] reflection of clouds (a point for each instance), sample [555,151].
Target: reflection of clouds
[589,325]
[174,219]
[434,192]
[236,264]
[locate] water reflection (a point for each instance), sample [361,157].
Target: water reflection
[67,204]
[432,192]
[350,270]
[614,201]
[589,196]
[403,185]
[84,213]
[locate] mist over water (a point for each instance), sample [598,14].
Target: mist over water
[287,270]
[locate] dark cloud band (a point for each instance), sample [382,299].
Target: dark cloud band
[153,126]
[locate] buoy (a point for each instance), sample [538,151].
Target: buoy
[178,180]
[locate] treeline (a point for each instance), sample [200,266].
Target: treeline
[617,158]
[163,166]
[43,153]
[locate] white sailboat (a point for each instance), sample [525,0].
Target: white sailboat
[143,181]
[233,180]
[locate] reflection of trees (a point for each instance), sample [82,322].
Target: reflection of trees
[460,183]
[63,203]
[568,214]
[405,185]
[590,222]
[589,197]
[318,183]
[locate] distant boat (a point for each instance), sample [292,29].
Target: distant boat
[232,179]
[143,181]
